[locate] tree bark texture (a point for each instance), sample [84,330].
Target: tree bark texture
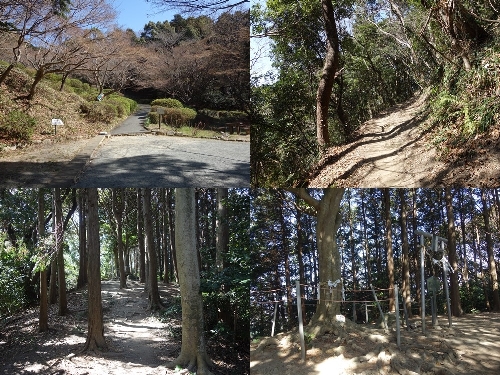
[118,207]
[388,242]
[489,248]
[406,258]
[456,307]
[95,333]
[193,350]
[154,295]
[82,272]
[222,241]
[59,231]
[43,317]
[327,77]
[328,221]
[140,238]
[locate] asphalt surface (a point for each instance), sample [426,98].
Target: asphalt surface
[155,161]
[133,123]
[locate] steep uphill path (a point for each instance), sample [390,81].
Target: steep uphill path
[394,151]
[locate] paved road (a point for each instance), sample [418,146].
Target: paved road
[153,161]
[133,123]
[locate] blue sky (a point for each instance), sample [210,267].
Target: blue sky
[134,14]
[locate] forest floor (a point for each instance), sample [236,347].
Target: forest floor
[470,346]
[396,150]
[139,342]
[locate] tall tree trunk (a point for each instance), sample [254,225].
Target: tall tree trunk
[43,317]
[172,232]
[300,255]
[82,271]
[193,350]
[465,268]
[406,259]
[388,239]
[222,238]
[164,214]
[95,333]
[489,247]
[416,249]
[154,295]
[59,231]
[327,77]
[118,207]
[328,221]
[456,308]
[140,238]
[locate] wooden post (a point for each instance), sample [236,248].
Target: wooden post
[274,318]
[398,331]
[366,312]
[301,324]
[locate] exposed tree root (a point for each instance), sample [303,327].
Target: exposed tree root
[200,363]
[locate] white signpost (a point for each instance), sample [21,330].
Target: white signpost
[55,123]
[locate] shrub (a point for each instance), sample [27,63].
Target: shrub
[99,111]
[179,116]
[153,118]
[167,103]
[17,125]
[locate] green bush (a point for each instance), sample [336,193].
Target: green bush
[17,125]
[153,118]
[12,292]
[167,103]
[99,111]
[179,116]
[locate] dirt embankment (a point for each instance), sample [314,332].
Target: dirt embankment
[395,150]
[468,347]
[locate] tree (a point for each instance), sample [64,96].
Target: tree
[95,333]
[406,290]
[82,271]
[118,207]
[58,234]
[43,317]
[388,243]
[328,74]
[326,210]
[456,308]
[193,351]
[140,238]
[489,248]
[196,6]
[154,295]
[222,243]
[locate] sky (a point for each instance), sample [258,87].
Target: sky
[134,14]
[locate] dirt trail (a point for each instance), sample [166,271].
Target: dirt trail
[469,347]
[389,153]
[138,342]
[395,151]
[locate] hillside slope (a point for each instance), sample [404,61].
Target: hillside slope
[395,150]
[24,122]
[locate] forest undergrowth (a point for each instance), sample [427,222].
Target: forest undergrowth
[140,341]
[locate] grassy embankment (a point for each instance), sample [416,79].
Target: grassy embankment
[25,121]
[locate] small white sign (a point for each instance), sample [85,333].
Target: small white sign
[57,121]
[340,318]
[100,96]
[160,111]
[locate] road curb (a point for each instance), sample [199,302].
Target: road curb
[74,168]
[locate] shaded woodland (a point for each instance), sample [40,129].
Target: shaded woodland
[333,65]
[58,242]
[374,242]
